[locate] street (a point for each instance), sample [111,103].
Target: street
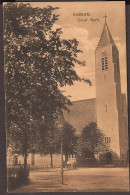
[81,180]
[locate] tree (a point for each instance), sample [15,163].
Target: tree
[69,140]
[37,62]
[50,143]
[91,141]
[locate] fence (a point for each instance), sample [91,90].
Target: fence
[17,176]
[88,162]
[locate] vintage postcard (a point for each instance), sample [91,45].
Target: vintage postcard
[66,96]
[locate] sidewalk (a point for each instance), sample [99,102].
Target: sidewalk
[81,180]
[44,181]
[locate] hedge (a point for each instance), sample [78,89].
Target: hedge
[17,176]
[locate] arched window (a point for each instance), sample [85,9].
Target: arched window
[107,140]
[104,61]
[103,64]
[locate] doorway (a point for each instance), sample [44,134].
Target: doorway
[109,159]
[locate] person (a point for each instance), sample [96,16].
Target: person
[75,164]
[68,164]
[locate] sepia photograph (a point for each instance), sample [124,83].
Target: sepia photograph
[66,104]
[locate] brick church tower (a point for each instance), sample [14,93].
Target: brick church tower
[110,117]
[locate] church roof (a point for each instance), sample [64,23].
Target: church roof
[82,112]
[106,37]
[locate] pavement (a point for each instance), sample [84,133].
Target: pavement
[80,180]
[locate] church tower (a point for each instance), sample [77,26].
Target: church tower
[108,93]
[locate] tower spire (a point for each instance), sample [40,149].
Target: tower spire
[106,37]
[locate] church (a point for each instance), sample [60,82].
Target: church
[108,109]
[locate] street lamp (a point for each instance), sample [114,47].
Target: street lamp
[61,122]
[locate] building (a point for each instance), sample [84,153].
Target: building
[109,109]
[81,113]
[111,117]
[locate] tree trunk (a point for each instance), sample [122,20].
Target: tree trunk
[66,158]
[93,158]
[51,160]
[25,161]
[25,165]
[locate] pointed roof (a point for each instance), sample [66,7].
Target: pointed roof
[106,37]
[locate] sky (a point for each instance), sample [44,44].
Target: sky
[87,30]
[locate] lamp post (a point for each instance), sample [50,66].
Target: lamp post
[61,122]
[62,171]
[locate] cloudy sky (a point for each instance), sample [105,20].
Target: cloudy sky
[87,30]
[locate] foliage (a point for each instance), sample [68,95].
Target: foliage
[69,139]
[91,141]
[50,142]
[37,62]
